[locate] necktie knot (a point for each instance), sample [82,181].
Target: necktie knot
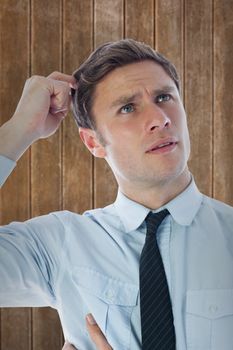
[153,220]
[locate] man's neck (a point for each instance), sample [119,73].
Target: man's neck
[154,197]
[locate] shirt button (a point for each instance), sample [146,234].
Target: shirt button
[213,309]
[109,294]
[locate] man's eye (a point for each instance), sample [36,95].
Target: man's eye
[127,109]
[163,98]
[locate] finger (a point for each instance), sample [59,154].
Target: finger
[68,346]
[64,77]
[96,334]
[60,95]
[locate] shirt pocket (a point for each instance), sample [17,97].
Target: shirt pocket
[111,301]
[209,319]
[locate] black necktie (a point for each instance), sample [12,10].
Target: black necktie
[158,331]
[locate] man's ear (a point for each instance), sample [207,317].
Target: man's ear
[91,141]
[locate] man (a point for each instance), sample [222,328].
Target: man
[129,111]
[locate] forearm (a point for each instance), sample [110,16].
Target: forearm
[13,140]
[6,167]
[13,143]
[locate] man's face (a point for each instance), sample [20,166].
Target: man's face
[142,125]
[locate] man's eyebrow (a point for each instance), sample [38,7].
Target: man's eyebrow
[125,99]
[165,89]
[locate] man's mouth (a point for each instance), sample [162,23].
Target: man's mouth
[163,145]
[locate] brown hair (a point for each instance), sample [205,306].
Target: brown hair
[102,61]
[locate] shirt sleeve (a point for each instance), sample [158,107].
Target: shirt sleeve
[6,167]
[30,260]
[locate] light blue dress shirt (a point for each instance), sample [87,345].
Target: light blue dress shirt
[89,263]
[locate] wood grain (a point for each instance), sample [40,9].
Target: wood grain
[198,89]
[77,160]
[169,29]
[46,154]
[14,196]
[108,26]
[139,20]
[108,21]
[223,101]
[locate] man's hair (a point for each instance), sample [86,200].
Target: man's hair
[102,61]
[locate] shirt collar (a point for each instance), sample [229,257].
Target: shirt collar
[182,208]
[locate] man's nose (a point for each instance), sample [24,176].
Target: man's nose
[156,118]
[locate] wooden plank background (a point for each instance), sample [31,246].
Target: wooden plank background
[40,36]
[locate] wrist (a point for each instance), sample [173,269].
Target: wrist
[14,141]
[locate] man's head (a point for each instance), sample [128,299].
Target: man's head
[101,62]
[129,111]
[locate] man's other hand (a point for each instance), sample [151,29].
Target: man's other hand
[96,335]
